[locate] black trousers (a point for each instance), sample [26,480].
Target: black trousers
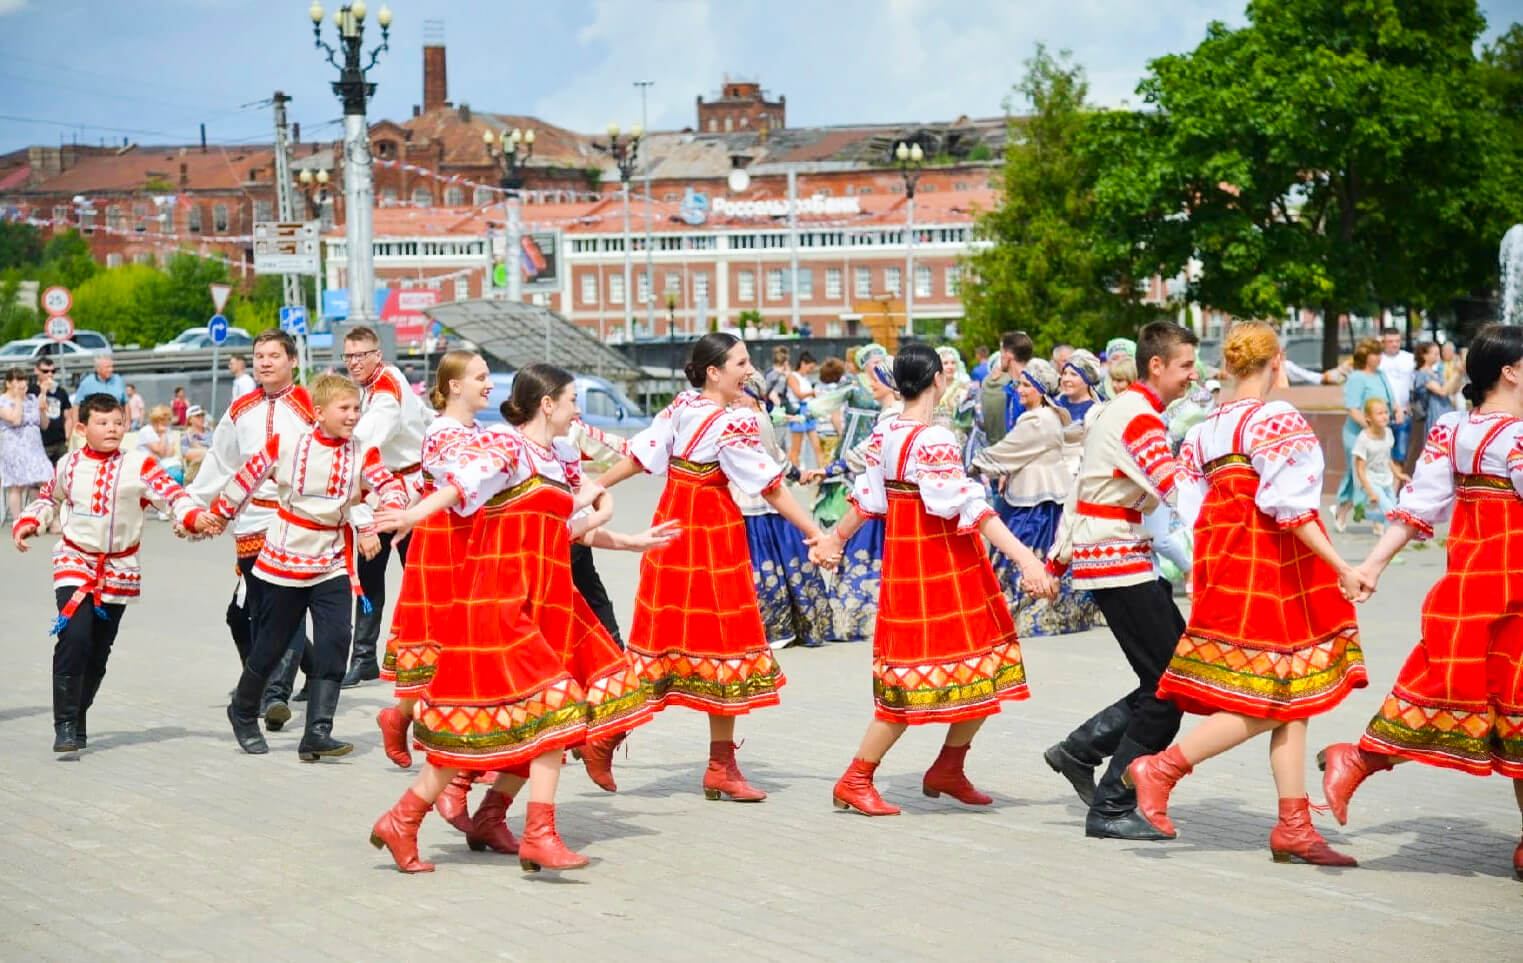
[282,609]
[372,573]
[1147,625]
[584,575]
[242,622]
[84,644]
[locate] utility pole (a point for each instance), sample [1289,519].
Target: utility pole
[650,274]
[793,243]
[284,201]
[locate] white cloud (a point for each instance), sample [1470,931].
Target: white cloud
[11,6]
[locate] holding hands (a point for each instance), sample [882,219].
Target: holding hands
[825,550]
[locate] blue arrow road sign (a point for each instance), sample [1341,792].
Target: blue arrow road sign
[293,319]
[217,328]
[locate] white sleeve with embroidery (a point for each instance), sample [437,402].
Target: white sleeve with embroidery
[946,492]
[867,491]
[1285,454]
[741,456]
[652,448]
[484,469]
[1428,499]
[1190,478]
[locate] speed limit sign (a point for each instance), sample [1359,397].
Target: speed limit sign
[59,327]
[57,300]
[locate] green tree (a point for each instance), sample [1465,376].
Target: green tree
[123,302]
[66,261]
[20,245]
[16,320]
[1044,273]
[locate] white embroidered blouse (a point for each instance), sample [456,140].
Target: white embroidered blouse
[1280,446]
[1460,443]
[928,457]
[694,429]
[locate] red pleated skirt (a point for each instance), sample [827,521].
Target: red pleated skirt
[529,673]
[944,649]
[1270,634]
[425,615]
[698,639]
[1458,701]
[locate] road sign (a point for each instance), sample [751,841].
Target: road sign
[219,295]
[59,327]
[436,329]
[286,247]
[217,328]
[293,320]
[57,300]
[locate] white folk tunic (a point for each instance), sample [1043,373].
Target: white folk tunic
[1033,459]
[100,497]
[251,421]
[392,421]
[321,483]
[1279,444]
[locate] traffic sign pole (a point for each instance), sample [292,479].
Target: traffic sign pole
[216,329]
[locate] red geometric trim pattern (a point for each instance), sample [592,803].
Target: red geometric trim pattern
[1480,742]
[967,688]
[1116,558]
[709,684]
[1208,675]
[1146,441]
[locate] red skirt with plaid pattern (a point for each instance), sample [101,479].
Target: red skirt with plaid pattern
[1270,634]
[944,647]
[532,670]
[697,638]
[425,613]
[1458,701]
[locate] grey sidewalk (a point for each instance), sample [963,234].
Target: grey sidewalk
[165,842]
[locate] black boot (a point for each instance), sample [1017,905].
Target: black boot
[1077,756]
[67,690]
[86,700]
[243,713]
[364,667]
[301,695]
[1113,814]
[317,741]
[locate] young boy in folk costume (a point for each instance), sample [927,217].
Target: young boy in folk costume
[307,561]
[100,491]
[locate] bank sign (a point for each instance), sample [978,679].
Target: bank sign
[779,207]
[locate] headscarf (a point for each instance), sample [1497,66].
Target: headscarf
[866,352]
[1085,365]
[1042,376]
[1123,345]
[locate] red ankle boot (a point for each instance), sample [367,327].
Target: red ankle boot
[597,756]
[1344,766]
[453,803]
[946,776]
[541,847]
[489,827]
[397,830]
[1154,777]
[1294,835]
[855,790]
[394,735]
[723,776]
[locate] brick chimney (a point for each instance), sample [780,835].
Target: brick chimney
[435,82]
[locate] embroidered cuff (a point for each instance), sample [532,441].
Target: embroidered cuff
[851,499]
[189,521]
[364,530]
[1423,529]
[977,522]
[1056,568]
[774,484]
[31,520]
[1286,523]
[221,506]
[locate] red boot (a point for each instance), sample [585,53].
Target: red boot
[397,830]
[394,735]
[489,827]
[855,790]
[1154,777]
[1294,835]
[1344,766]
[542,847]
[453,803]
[946,776]
[597,756]
[723,776]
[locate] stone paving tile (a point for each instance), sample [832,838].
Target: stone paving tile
[164,842]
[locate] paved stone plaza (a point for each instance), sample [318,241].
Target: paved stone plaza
[165,842]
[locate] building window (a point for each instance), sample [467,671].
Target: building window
[60,215]
[745,285]
[891,277]
[389,197]
[421,197]
[613,244]
[642,288]
[193,219]
[673,282]
[616,288]
[113,260]
[669,243]
[143,257]
[864,284]
[701,242]
[263,211]
[833,284]
[481,195]
[584,245]
[114,218]
[954,279]
[454,196]
[774,283]
[700,286]
[805,282]
[219,218]
[922,281]
[589,288]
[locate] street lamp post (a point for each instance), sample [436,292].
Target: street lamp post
[910,159]
[623,153]
[511,150]
[314,190]
[353,91]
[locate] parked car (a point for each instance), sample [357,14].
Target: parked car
[603,404]
[91,340]
[197,339]
[29,350]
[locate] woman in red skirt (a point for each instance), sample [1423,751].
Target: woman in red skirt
[1458,702]
[531,671]
[944,648]
[698,638]
[1272,638]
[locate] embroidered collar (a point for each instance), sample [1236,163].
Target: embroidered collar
[277,395]
[323,438]
[99,455]
[1149,394]
[375,376]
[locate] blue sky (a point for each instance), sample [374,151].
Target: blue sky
[153,70]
